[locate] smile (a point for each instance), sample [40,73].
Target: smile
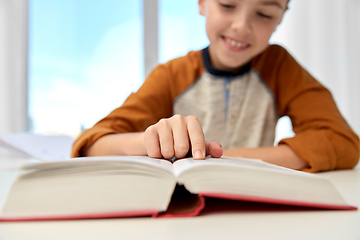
[235,45]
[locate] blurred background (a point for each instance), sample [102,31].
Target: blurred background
[65,64]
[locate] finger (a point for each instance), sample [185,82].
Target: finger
[180,136]
[152,144]
[166,139]
[214,149]
[197,139]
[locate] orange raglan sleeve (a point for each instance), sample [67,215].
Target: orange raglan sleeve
[153,101]
[322,137]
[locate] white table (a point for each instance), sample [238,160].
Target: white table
[244,224]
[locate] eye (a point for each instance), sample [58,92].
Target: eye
[227,6]
[264,15]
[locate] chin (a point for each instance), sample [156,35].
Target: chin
[235,65]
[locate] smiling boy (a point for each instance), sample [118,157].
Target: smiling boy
[230,94]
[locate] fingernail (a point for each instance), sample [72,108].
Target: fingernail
[198,155]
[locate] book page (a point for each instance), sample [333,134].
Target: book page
[254,180]
[185,164]
[42,147]
[7,179]
[103,160]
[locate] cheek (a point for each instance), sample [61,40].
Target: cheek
[212,28]
[264,33]
[209,30]
[216,23]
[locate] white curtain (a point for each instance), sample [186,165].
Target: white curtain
[13,66]
[324,36]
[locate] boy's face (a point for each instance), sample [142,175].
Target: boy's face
[239,30]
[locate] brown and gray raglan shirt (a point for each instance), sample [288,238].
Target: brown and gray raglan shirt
[240,109]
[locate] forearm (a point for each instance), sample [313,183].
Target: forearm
[281,155]
[118,144]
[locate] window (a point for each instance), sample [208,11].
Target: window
[85,57]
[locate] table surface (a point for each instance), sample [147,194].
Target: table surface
[252,223]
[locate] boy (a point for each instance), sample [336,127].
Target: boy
[230,93]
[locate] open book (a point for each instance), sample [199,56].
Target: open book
[120,186]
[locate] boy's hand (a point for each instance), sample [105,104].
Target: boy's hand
[175,136]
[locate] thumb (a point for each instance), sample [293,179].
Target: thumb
[213,149]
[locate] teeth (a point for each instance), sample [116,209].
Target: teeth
[235,44]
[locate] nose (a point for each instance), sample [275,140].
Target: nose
[241,23]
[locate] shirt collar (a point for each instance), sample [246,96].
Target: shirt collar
[206,57]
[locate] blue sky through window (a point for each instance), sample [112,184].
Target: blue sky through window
[85,57]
